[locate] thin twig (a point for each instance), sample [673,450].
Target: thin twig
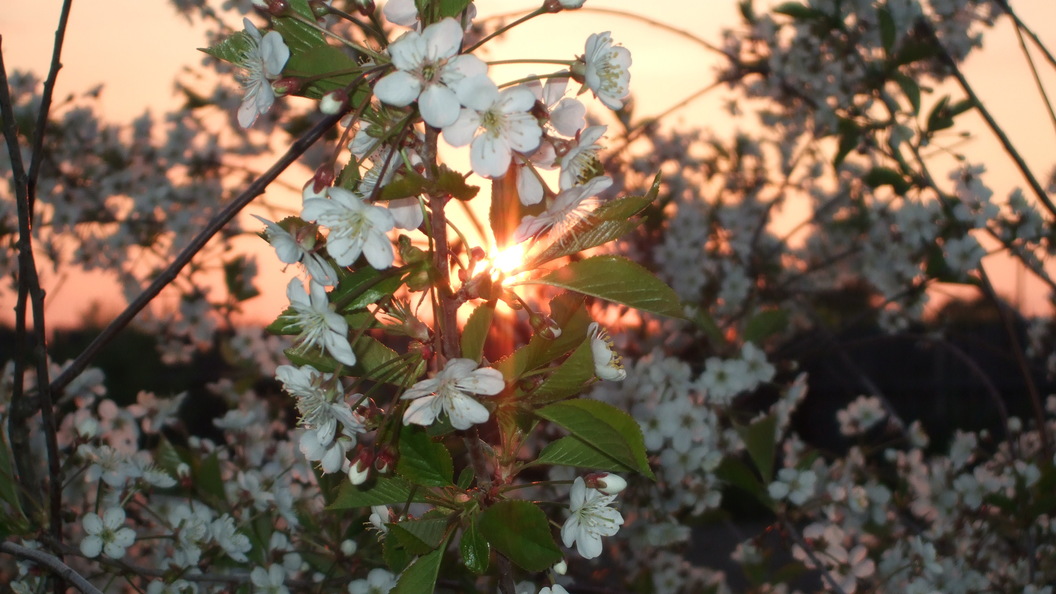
[809,550]
[1033,36]
[45,103]
[1037,78]
[51,563]
[169,274]
[1024,170]
[29,285]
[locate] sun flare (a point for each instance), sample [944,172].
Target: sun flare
[508,259]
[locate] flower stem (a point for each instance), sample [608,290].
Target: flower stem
[501,30]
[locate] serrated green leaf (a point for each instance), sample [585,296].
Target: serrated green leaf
[764,324]
[568,379]
[760,439]
[520,531]
[232,48]
[405,185]
[423,461]
[475,550]
[311,56]
[572,451]
[587,234]
[378,362]
[395,555]
[420,537]
[604,427]
[453,184]
[617,279]
[568,312]
[382,491]
[475,332]
[421,575]
[366,286]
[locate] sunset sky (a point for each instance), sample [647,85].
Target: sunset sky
[136,48]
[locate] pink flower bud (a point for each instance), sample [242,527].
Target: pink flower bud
[359,471]
[334,102]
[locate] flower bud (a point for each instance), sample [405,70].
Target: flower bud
[348,547]
[560,567]
[360,468]
[385,460]
[609,484]
[544,326]
[559,5]
[333,102]
[287,85]
[276,7]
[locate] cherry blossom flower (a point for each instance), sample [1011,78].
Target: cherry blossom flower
[235,544]
[450,391]
[355,228]
[299,247]
[605,69]
[107,534]
[590,520]
[794,485]
[262,63]
[568,208]
[494,124]
[270,580]
[579,159]
[401,12]
[428,65]
[607,362]
[378,581]
[320,325]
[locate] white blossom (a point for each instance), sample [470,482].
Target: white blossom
[355,228]
[320,325]
[427,66]
[567,209]
[300,249]
[607,362]
[494,124]
[450,391]
[107,534]
[262,62]
[591,519]
[606,70]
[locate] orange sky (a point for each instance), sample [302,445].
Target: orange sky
[136,48]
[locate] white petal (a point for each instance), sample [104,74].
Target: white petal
[378,251]
[114,518]
[489,155]
[486,380]
[442,39]
[523,132]
[516,99]
[570,530]
[408,52]
[461,132]
[406,212]
[588,544]
[439,106]
[464,411]
[422,411]
[339,348]
[398,88]
[568,116]
[480,93]
[91,546]
[529,188]
[92,523]
[274,53]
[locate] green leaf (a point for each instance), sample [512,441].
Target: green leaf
[520,531]
[736,472]
[378,362]
[366,286]
[616,279]
[572,451]
[382,491]
[453,184]
[475,550]
[422,460]
[887,28]
[420,536]
[764,324]
[910,88]
[396,556]
[850,134]
[604,427]
[759,439]
[475,332]
[797,11]
[421,575]
[939,118]
[568,379]
[405,185]
[311,56]
[885,176]
[452,8]
[231,49]
[568,312]
[208,479]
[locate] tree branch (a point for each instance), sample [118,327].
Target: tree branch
[52,564]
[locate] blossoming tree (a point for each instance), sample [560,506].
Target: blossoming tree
[454,419]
